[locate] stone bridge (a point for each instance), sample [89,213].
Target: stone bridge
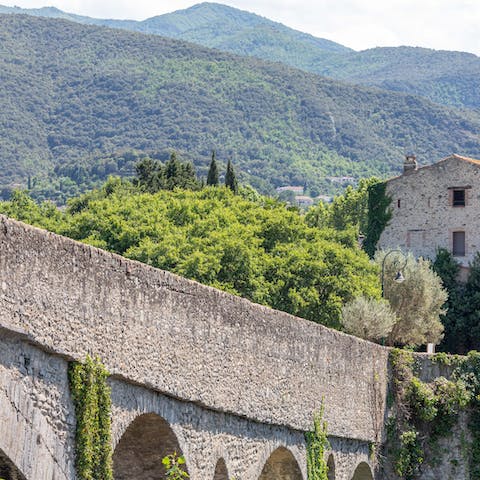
[230,384]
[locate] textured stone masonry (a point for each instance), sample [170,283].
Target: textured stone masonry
[185,340]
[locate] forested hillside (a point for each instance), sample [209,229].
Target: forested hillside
[445,77]
[72,94]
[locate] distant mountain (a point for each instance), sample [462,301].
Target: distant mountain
[448,78]
[72,94]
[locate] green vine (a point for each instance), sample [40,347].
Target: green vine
[379,214]
[317,444]
[91,397]
[425,412]
[174,469]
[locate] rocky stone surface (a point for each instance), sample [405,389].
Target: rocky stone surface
[186,340]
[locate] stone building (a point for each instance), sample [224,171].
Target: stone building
[436,206]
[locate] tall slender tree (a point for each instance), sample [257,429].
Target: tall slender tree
[212,177]
[231,179]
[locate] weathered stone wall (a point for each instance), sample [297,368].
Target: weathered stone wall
[37,421]
[423,216]
[188,341]
[37,426]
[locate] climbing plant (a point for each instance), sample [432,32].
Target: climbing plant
[379,214]
[317,444]
[91,398]
[424,412]
[173,467]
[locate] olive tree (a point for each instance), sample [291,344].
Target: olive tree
[417,301]
[368,318]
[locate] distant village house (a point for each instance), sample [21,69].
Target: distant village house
[436,206]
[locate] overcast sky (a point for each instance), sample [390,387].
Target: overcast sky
[359,24]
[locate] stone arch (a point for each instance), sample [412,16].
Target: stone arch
[331,467]
[281,465]
[221,472]
[141,448]
[363,472]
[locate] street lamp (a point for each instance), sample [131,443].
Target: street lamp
[399,278]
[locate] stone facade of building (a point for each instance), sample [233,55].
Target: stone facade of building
[436,206]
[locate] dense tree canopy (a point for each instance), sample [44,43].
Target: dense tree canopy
[254,248]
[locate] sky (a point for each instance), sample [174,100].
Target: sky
[359,24]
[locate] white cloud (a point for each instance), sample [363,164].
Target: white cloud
[360,24]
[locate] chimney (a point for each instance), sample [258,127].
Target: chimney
[410,163]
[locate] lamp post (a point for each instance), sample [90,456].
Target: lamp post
[399,278]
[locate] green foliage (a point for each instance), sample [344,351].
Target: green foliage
[462,318]
[410,455]
[212,176]
[470,317]
[368,318]
[153,176]
[418,301]
[254,248]
[317,445]
[243,33]
[348,210]
[379,214]
[91,397]
[426,412]
[231,179]
[456,334]
[73,119]
[173,467]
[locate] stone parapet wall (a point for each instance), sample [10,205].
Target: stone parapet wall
[186,340]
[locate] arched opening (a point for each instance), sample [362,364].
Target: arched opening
[331,467]
[281,466]
[221,472]
[139,452]
[363,472]
[8,471]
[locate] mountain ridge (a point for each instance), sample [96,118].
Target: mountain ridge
[74,94]
[433,74]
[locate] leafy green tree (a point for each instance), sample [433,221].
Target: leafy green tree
[379,214]
[255,247]
[212,177]
[150,175]
[231,179]
[457,334]
[470,327]
[347,210]
[418,301]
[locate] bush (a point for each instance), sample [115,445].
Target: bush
[368,318]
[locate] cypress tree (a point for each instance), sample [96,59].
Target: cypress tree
[212,177]
[231,179]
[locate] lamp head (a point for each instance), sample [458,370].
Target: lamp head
[399,278]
